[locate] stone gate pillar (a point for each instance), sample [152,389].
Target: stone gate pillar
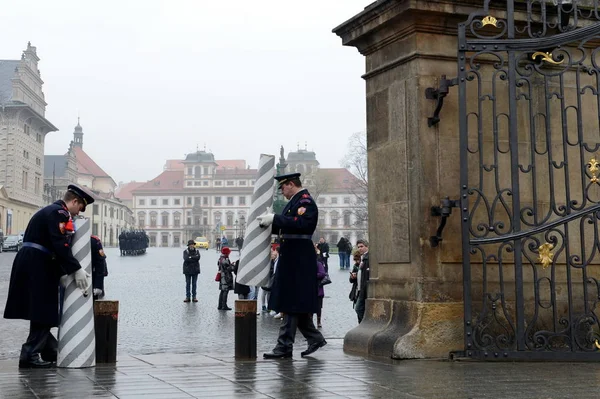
[415,307]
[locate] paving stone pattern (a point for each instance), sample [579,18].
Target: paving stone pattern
[169,349]
[153,318]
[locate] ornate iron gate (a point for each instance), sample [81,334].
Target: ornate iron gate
[529,93]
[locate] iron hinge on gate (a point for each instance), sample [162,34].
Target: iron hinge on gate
[444,210]
[438,94]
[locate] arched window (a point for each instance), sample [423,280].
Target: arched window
[153,216]
[141,220]
[347,221]
[334,218]
[164,219]
[197,171]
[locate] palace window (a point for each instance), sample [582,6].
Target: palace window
[152,202]
[141,220]
[177,201]
[177,220]
[205,183]
[229,200]
[334,218]
[334,200]
[230,182]
[141,202]
[217,200]
[206,170]
[321,200]
[347,219]
[242,200]
[165,202]
[242,182]
[218,183]
[189,200]
[165,219]
[153,220]
[196,200]
[347,200]
[204,200]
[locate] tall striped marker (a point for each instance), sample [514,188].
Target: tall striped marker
[255,261]
[76,339]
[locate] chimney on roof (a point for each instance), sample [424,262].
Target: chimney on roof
[78,135]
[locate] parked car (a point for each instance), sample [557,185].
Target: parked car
[12,243]
[201,242]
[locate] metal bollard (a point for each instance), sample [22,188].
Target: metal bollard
[106,315]
[245,329]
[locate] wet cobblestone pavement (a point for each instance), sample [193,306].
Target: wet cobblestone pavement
[170,349]
[153,318]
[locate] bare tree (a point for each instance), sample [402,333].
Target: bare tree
[355,161]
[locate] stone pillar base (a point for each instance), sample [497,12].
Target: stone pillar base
[408,329]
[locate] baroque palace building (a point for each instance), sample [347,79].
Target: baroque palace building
[23,129]
[109,215]
[202,196]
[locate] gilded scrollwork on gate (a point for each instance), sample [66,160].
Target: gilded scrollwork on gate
[545,254]
[529,89]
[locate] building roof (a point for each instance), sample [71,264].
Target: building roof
[167,180]
[55,165]
[174,164]
[7,72]
[231,164]
[339,179]
[86,165]
[125,191]
[301,156]
[200,156]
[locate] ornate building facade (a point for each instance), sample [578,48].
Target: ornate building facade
[109,215]
[23,129]
[201,196]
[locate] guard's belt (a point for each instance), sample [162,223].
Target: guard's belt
[38,247]
[297,236]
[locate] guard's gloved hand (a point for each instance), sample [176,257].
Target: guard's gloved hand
[266,219]
[97,292]
[82,280]
[64,280]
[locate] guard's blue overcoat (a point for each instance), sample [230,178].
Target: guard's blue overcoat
[295,285]
[34,279]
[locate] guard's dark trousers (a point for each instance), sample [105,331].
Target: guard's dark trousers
[39,341]
[287,331]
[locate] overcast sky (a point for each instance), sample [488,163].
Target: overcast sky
[153,79]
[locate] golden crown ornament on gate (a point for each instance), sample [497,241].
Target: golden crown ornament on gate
[546,256]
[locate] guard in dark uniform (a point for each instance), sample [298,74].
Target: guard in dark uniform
[295,286]
[99,269]
[34,281]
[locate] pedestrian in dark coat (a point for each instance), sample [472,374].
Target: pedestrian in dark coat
[226,282]
[295,286]
[240,289]
[34,281]
[191,269]
[362,278]
[99,269]
[323,257]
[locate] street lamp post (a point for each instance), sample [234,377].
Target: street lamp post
[279,202]
[236,228]
[242,225]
